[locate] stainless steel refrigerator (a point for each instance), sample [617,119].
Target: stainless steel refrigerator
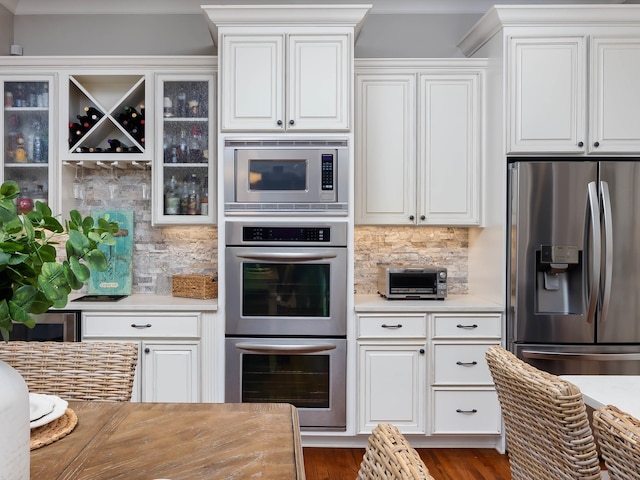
[574,265]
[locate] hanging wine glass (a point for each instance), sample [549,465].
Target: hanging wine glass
[79,187]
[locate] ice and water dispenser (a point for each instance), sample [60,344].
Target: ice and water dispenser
[559,279]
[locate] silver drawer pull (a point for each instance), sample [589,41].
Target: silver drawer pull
[468,412]
[135,325]
[384,325]
[466,364]
[469,327]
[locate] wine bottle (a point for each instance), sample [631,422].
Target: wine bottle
[93,113]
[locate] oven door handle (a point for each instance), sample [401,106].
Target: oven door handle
[276,349]
[288,256]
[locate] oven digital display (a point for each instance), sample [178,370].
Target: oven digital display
[286,234]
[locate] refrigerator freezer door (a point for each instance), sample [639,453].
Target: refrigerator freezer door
[582,359]
[620,298]
[553,240]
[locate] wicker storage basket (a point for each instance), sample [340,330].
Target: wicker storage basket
[194,286]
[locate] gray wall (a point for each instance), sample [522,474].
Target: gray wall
[6,30]
[381,36]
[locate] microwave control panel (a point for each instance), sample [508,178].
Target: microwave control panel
[327,171]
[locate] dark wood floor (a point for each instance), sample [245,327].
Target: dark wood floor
[443,463]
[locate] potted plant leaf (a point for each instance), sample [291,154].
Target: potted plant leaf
[32,280]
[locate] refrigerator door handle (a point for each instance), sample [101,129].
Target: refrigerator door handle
[608,249]
[546,355]
[592,219]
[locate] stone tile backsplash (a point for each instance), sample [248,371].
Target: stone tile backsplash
[163,251]
[410,245]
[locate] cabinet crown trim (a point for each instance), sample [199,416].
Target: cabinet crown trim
[499,17]
[264,15]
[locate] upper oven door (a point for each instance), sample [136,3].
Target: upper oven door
[281,291]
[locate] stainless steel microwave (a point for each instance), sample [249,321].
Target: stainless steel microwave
[286,176]
[423,282]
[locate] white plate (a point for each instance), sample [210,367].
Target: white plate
[39,405]
[59,407]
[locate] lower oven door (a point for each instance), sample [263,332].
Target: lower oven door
[309,373]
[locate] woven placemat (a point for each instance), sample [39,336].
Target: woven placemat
[54,430]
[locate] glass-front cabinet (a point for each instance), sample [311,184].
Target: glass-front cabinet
[185,150]
[27,142]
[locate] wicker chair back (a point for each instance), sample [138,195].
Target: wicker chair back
[388,456]
[545,419]
[618,435]
[100,371]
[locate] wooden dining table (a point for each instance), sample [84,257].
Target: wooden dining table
[176,441]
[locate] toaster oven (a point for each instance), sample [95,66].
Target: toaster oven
[424,282]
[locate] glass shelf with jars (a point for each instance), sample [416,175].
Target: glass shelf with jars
[106,118]
[26,147]
[185,150]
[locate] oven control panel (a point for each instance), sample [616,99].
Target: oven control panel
[286,234]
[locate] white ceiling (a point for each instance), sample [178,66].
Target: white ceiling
[47,7]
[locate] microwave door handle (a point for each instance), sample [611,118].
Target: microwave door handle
[288,256]
[276,349]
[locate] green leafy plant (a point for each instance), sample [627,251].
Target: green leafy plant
[31,278]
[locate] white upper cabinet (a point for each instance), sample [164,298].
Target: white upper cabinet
[285,68]
[417,145]
[614,124]
[564,100]
[285,82]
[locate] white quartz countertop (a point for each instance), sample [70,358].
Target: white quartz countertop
[453,303]
[145,302]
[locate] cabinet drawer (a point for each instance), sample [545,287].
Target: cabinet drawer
[392,326]
[461,363]
[98,325]
[467,326]
[466,411]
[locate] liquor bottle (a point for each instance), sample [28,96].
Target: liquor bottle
[19,97]
[184,196]
[193,203]
[32,97]
[195,145]
[39,195]
[183,149]
[181,104]
[172,198]
[167,107]
[204,201]
[21,152]
[25,203]
[39,150]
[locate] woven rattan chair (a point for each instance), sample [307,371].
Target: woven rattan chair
[545,419]
[618,435]
[100,371]
[389,456]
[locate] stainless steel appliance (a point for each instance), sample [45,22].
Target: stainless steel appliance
[574,263]
[53,326]
[412,283]
[286,317]
[286,176]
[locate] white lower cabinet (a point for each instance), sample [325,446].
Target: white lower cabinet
[392,371]
[169,350]
[427,374]
[463,398]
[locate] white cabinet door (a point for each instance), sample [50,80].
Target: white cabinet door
[547,95]
[385,149]
[318,82]
[615,97]
[252,82]
[449,151]
[170,372]
[260,94]
[392,386]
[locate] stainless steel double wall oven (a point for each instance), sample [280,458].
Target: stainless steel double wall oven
[286,276]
